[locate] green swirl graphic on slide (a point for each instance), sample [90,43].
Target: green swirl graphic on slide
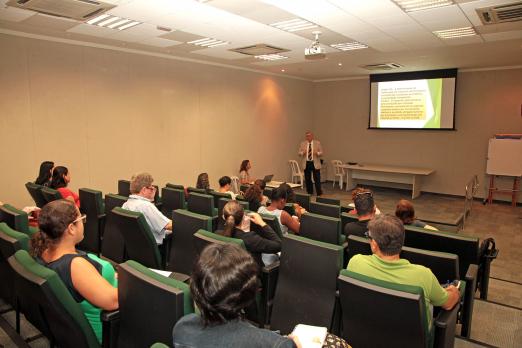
[435,88]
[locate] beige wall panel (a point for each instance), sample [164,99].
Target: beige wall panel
[108,114]
[487,102]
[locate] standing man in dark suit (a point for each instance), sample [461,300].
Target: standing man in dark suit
[311,151]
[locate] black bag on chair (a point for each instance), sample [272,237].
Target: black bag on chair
[487,253]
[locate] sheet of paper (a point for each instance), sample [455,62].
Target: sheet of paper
[163,273]
[310,336]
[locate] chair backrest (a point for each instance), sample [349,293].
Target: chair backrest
[234,186]
[325,209]
[244,187]
[267,191]
[337,170]
[201,204]
[140,244]
[271,221]
[143,322]
[10,242]
[445,266]
[48,305]
[322,228]
[113,245]
[294,166]
[346,218]
[50,194]
[35,191]
[306,286]
[203,238]
[371,306]
[175,187]
[182,251]
[124,188]
[221,205]
[92,205]
[172,199]
[196,190]
[217,196]
[331,201]
[466,247]
[16,219]
[303,199]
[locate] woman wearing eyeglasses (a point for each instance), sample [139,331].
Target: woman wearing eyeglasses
[90,280]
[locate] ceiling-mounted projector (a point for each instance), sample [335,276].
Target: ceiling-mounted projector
[315,51]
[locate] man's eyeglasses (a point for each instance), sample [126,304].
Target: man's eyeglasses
[152,188]
[82,218]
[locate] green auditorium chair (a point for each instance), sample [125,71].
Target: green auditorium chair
[92,206]
[219,195]
[325,209]
[303,199]
[124,188]
[196,190]
[113,245]
[172,199]
[271,221]
[16,219]
[322,228]
[346,218]
[51,194]
[10,242]
[35,191]
[307,284]
[445,266]
[150,305]
[203,204]
[330,201]
[382,314]
[47,304]
[182,252]
[175,186]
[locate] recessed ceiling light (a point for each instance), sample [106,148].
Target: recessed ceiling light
[113,22]
[282,70]
[455,33]
[348,46]
[208,42]
[418,5]
[340,64]
[271,57]
[294,25]
[97,19]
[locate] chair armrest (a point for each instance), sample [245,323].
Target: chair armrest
[270,268]
[468,300]
[444,326]
[110,328]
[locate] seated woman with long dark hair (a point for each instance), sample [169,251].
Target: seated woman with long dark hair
[45,173]
[237,225]
[90,280]
[244,176]
[224,283]
[60,181]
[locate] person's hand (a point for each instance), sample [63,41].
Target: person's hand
[257,219]
[296,340]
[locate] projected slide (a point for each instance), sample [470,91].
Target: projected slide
[409,104]
[399,102]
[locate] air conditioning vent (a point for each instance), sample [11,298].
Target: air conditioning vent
[383,66]
[259,50]
[75,9]
[500,14]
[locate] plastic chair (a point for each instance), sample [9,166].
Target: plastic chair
[338,172]
[296,172]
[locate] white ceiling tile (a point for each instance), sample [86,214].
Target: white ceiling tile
[387,45]
[441,18]
[220,53]
[14,14]
[159,42]
[92,30]
[464,40]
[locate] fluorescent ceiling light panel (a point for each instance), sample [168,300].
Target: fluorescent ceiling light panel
[348,46]
[455,33]
[271,57]
[113,22]
[97,19]
[208,42]
[418,5]
[294,25]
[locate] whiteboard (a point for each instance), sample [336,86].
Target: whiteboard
[504,157]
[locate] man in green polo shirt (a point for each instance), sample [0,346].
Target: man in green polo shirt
[386,235]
